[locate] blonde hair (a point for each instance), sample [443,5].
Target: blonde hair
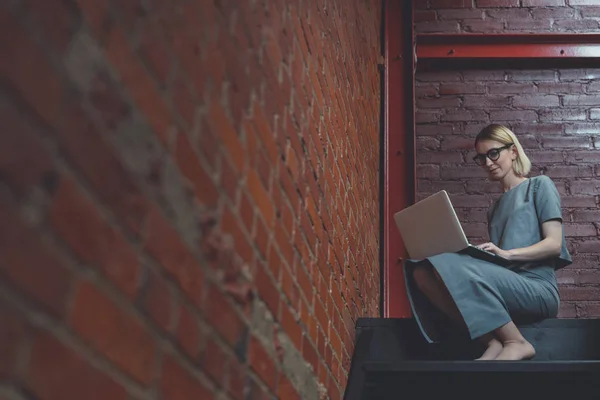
[500,133]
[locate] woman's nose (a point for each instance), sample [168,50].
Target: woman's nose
[488,162]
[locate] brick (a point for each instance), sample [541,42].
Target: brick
[551,128]
[183,101]
[497,3]
[100,166]
[95,13]
[163,243]
[535,101]
[486,102]
[579,230]
[532,75]
[543,3]
[437,4]
[157,301]
[582,128]
[426,116]
[58,22]
[117,334]
[156,53]
[460,14]
[581,293]
[586,216]
[563,115]
[437,27]
[428,171]
[261,198]
[441,102]
[23,252]
[24,160]
[457,143]
[484,75]
[581,100]
[578,201]
[464,115]
[139,83]
[546,157]
[462,88]
[595,113]
[439,158]
[261,362]
[189,165]
[560,87]
[75,379]
[509,14]
[577,157]
[12,336]
[463,172]
[214,360]
[78,222]
[567,171]
[267,291]
[572,142]
[576,25]
[470,200]
[579,74]
[285,389]
[177,383]
[28,71]
[593,86]
[422,16]
[188,331]
[589,246]
[434,129]
[221,315]
[484,26]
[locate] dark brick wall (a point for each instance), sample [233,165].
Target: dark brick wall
[507,16]
[553,112]
[188,197]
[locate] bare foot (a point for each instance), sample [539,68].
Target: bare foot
[516,350]
[493,350]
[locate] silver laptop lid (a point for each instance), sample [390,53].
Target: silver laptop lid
[430,227]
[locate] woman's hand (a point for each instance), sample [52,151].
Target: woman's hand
[491,247]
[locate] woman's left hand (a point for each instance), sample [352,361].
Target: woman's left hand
[489,246]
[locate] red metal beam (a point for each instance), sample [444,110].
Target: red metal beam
[398,150]
[508,46]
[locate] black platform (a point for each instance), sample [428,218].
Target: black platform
[392,361]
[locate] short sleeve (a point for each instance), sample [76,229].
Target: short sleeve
[547,200]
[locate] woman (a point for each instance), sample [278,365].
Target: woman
[525,226]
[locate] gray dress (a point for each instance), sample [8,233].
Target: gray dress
[488,295]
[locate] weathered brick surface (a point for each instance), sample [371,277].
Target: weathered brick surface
[188,196]
[507,16]
[552,113]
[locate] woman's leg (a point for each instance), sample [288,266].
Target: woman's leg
[493,347]
[432,286]
[515,346]
[430,283]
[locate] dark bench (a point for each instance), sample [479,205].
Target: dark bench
[392,361]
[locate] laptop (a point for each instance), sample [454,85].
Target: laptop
[430,227]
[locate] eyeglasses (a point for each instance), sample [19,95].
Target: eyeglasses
[492,154]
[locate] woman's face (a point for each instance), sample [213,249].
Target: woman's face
[499,168]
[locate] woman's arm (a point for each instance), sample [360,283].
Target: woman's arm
[548,247]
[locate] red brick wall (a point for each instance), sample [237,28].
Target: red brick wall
[553,114]
[188,197]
